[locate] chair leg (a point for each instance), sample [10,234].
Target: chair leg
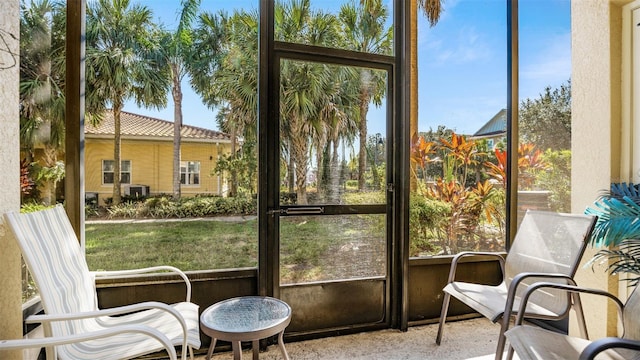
[502,339]
[580,316]
[443,316]
[510,353]
[50,351]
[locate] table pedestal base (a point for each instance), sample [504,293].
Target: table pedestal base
[237,349]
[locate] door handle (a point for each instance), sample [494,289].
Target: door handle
[307,210]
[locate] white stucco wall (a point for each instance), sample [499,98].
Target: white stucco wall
[596,27]
[10,296]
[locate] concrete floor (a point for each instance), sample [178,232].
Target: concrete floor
[470,339]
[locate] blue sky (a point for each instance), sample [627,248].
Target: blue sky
[461,61]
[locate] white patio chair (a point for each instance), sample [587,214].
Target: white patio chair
[67,289]
[547,246]
[534,343]
[118,331]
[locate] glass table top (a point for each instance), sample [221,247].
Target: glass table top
[246,314]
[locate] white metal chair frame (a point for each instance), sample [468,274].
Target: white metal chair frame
[48,342]
[53,224]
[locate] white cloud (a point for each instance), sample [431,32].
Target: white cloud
[467,45]
[547,65]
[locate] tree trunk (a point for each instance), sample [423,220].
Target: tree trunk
[290,169]
[117,109]
[176,91]
[321,184]
[334,175]
[299,149]
[49,162]
[233,186]
[362,156]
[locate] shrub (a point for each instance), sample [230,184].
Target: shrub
[351,184]
[557,179]
[124,210]
[32,207]
[163,206]
[426,218]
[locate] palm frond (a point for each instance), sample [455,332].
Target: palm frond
[620,190]
[618,227]
[625,259]
[618,216]
[432,10]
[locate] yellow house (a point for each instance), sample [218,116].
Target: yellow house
[147,158]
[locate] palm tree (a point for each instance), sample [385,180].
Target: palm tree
[224,71]
[176,50]
[364,30]
[342,126]
[432,9]
[308,91]
[42,89]
[123,62]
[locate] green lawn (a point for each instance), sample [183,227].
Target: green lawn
[311,247]
[188,245]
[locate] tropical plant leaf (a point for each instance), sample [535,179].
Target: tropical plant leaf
[624,259]
[618,227]
[626,189]
[618,219]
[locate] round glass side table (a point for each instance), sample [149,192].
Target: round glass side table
[246,318]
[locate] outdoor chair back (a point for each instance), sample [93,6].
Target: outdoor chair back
[547,243]
[547,246]
[56,262]
[67,291]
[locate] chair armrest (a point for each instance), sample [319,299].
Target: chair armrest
[47,318]
[593,349]
[513,287]
[153,269]
[75,338]
[568,288]
[461,255]
[120,310]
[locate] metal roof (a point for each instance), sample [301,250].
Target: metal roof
[497,125]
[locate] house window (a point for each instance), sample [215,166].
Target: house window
[190,172]
[107,171]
